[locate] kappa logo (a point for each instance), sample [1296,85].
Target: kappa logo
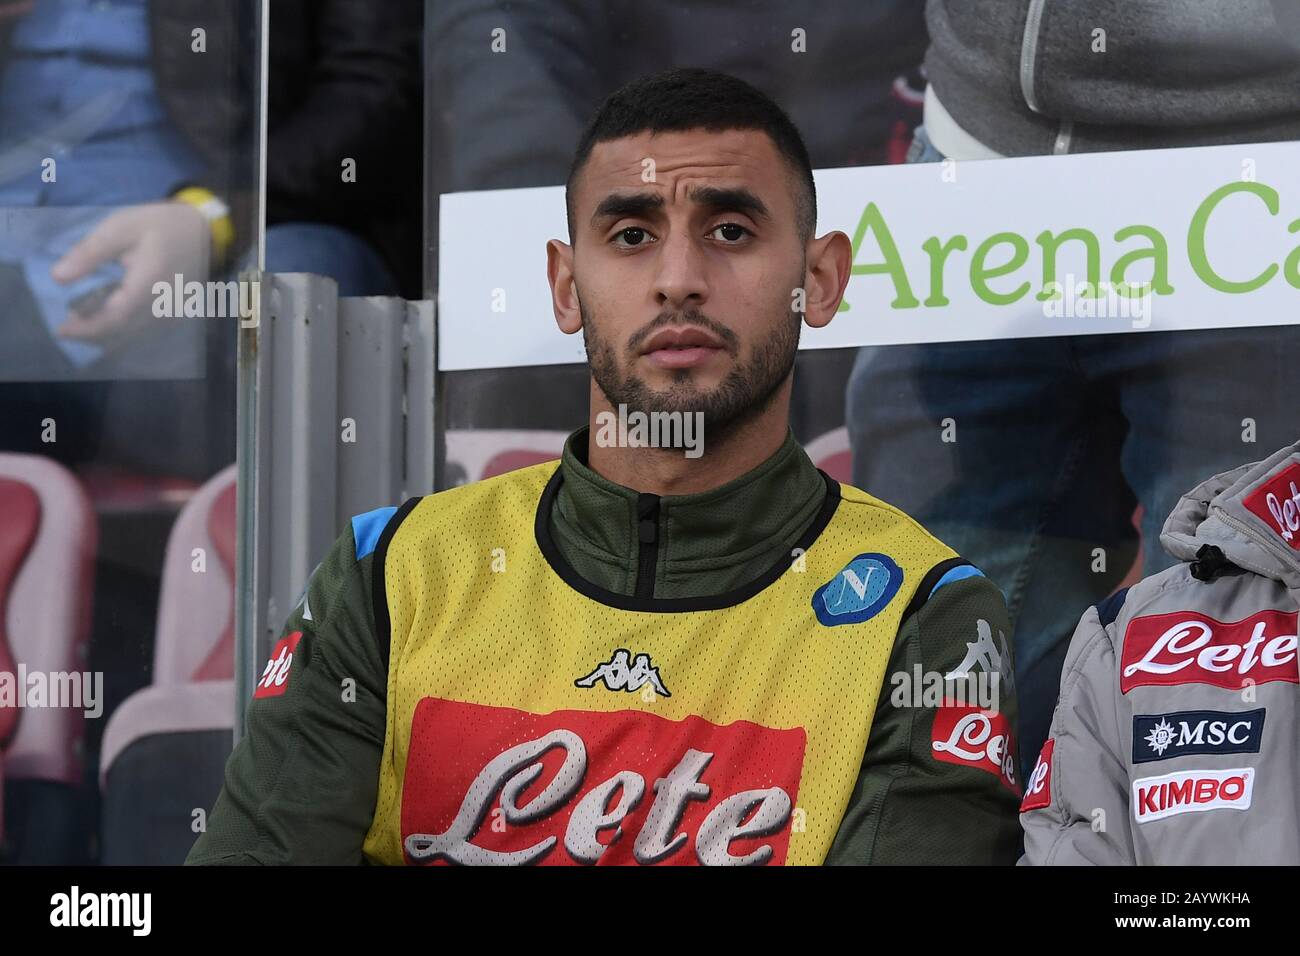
[859,592]
[1277,504]
[1191,791]
[991,658]
[1165,736]
[618,674]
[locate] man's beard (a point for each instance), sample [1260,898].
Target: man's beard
[745,392]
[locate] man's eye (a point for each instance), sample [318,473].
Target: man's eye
[633,236]
[731,232]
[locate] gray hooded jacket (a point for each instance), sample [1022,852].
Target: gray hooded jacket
[1175,736]
[1032,77]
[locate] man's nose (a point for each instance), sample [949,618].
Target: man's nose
[682,276]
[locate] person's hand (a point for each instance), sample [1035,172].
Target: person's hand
[153,242]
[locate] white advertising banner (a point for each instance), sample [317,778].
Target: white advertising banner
[1013,248]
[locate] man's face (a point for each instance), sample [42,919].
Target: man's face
[686,258]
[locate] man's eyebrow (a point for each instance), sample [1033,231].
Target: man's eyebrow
[627,205]
[717,198]
[730,199]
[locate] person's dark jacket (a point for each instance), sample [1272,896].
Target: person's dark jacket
[512,118]
[346,81]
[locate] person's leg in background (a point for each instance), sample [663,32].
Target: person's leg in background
[329,251]
[1194,400]
[1084,545]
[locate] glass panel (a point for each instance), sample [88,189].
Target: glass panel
[129,195]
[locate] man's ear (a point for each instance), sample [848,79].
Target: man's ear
[564,290]
[830,263]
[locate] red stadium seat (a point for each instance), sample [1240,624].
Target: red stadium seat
[48,537]
[477,453]
[830,453]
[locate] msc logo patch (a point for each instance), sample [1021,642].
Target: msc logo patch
[1162,736]
[859,592]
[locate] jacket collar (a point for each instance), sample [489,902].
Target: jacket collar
[712,529]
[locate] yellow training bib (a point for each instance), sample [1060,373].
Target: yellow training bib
[536,718]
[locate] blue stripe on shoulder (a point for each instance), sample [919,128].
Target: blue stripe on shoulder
[1108,610]
[368,527]
[959,573]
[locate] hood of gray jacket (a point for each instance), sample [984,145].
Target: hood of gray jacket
[1251,513]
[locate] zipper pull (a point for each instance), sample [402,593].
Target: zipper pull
[647,512]
[647,533]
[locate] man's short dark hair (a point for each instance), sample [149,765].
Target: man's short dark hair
[691,98]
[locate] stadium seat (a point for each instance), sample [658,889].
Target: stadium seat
[477,453]
[166,745]
[830,452]
[48,537]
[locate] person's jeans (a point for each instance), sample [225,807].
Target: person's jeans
[329,251]
[1056,440]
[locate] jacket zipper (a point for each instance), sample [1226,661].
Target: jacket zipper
[1029,52]
[1028,61]
[647,527]
[1241,527]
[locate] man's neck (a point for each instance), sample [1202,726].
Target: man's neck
[725,455]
